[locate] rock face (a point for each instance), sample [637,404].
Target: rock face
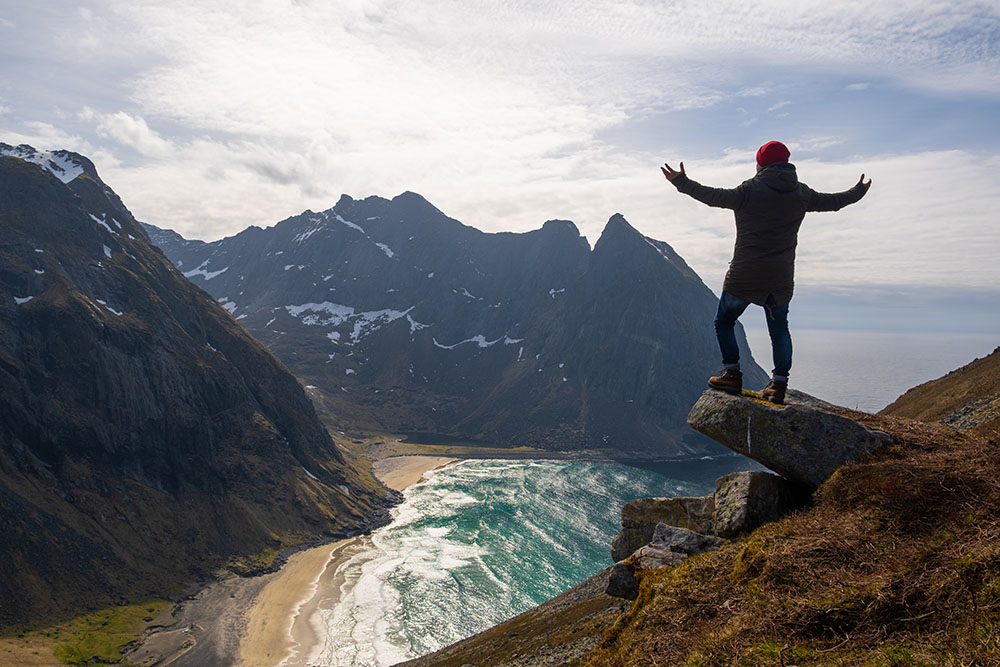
[145,436]
[746,500]
[670,545]
[409,321]
[640,518]
[801,443]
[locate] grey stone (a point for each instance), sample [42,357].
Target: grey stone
[683,541]
[639,519]
[801,443]
[622,583]
[746,500]
[670,546]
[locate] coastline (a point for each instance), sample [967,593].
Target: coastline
[264,621]
[278,628]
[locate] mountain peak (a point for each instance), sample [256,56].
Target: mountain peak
[64,165]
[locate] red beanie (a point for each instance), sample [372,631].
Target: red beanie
[771,152]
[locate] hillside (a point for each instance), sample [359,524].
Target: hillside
[896,563]
[145,437]
[967,398]
[407,321]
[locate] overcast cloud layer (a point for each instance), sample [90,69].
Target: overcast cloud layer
[207,117]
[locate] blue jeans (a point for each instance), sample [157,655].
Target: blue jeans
[730,309]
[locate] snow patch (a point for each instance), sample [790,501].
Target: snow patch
[201,271]
[335,314]
[553,292]
[386,249]
[40,271]
[22,299]
[349,371]
[301,238]
[311,476]
[349,223]
[479,340]
[507,340]
[107,252]
[60,165]
[39,250]
[102,223]
[104,303]
[430,275]
[228,305]
[415,326]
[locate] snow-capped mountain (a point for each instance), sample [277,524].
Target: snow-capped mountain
[404,320]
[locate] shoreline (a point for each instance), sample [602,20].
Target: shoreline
[279,628]
[264,621]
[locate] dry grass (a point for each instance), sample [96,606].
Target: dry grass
[898,563]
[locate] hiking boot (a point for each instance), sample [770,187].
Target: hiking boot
[774,392]
[731,381]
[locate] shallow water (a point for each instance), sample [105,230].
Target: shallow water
[481,541]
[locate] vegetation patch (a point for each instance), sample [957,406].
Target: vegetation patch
[100,637]
[253,565]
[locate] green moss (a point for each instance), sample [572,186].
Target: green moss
[103,636]
[898,655]
[247,566]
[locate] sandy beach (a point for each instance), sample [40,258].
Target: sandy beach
[264,621]
[400,472]
[278,628]
[277,623]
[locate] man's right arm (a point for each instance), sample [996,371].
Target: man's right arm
[718,197]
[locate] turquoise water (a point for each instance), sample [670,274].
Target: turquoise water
[481,541]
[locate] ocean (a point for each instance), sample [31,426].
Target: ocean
[868,370]
[480,541]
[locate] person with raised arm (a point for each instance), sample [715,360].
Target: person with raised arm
[769,209]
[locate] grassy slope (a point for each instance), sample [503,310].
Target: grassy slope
[898,563]
[977,382]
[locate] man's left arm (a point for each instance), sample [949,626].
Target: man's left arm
[834,201]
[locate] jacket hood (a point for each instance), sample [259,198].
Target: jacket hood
[780,176]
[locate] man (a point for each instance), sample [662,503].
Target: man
[769,209]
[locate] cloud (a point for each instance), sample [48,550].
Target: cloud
[208,117]
[131,131]
[857,86]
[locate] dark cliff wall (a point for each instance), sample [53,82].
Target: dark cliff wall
[144,436]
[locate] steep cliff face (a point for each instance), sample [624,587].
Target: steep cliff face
[412,322]
[145,436]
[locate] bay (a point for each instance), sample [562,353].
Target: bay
[481,541]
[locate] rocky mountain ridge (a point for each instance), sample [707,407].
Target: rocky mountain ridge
[145,437]
[404,320]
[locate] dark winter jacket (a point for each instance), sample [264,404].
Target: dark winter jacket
[769,209]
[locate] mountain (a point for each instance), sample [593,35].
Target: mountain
[405,320]
[145,437]
[967,398]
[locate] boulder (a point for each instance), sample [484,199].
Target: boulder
[639,519]
[670,545]
[746,500]
[802,443]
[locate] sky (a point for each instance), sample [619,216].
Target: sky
[207,117]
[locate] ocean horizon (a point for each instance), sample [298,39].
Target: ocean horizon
[867,370]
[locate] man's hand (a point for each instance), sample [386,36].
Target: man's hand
[670,174]
[861,181]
